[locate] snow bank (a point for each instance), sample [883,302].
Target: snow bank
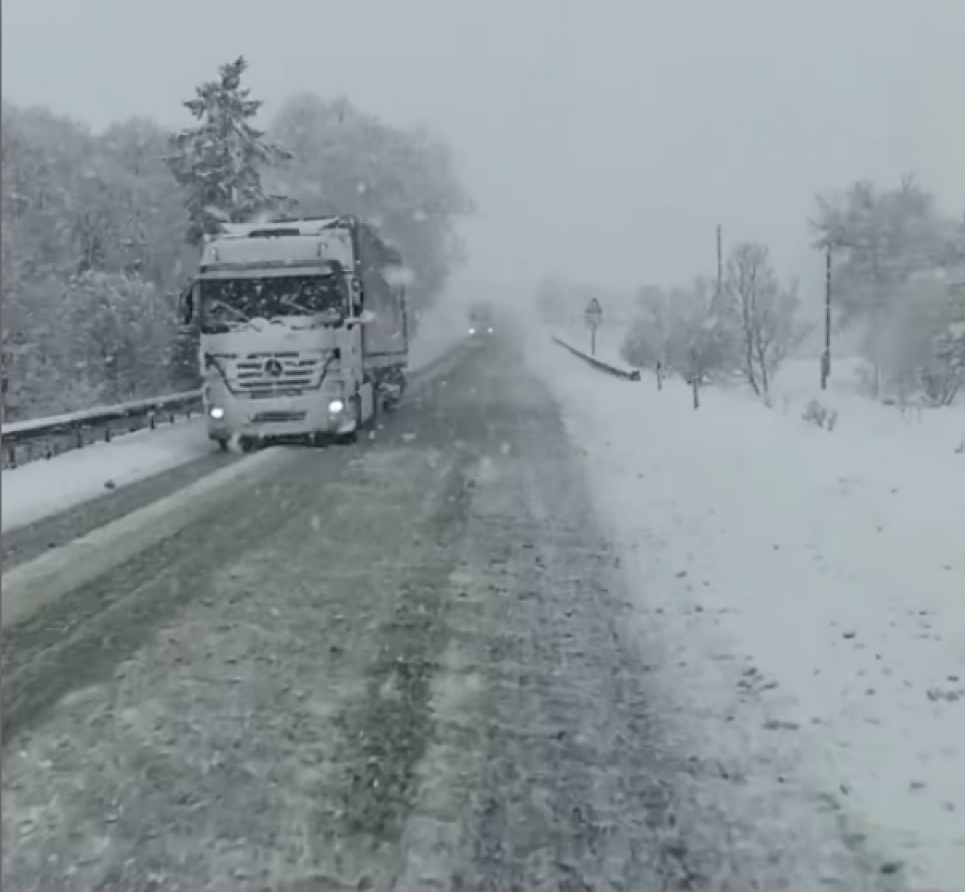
[807,589]
[42,488]
[912,426]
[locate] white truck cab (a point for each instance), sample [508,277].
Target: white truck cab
[303,330]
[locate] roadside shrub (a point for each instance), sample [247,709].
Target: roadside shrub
[820,416]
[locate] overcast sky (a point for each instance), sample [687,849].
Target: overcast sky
[601,138]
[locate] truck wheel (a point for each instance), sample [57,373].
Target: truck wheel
[373,421]
[349,438]
[352,436]
[222,444]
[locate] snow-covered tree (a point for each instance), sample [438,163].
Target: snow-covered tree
[685,331]
[764,311]
[83,208]
[122,335]
[647,343]
[948,375]
[702,335]
[153,218]
[402,181]
[219,162]
[881,241]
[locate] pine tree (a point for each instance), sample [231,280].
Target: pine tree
[218,163]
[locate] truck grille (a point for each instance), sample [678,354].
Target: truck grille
[271,374]
[278,417]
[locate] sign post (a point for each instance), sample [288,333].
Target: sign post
[826,356]
[593,314]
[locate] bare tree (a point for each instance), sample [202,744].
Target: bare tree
[765,311]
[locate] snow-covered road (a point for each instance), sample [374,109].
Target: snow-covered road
[432,661]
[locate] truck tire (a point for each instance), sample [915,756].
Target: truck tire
[222,444]
[352,436]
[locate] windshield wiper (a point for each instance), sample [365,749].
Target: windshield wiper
[293,304]
[328,315]
[242,317]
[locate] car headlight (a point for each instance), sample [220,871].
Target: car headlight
[472,331]
[336,406]
[217,413]
[490,331]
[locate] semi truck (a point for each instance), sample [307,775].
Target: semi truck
[304,330]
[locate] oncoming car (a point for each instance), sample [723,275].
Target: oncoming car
[480,320]
[479,329]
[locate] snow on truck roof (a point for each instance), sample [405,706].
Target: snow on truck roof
[290,243]
[309,241]
[309,227]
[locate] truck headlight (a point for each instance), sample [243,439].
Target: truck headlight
[217,413]
[336,406]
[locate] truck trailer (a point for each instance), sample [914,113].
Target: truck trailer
[304,330]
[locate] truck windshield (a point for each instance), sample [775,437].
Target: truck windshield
[227,301]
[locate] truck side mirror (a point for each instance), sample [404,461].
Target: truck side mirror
[186,305]
[366,317]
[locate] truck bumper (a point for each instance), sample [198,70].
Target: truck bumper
[293,418]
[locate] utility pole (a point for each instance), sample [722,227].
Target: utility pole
[720,260]
[826,356]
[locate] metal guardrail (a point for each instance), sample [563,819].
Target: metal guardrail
[27,441]
[44,438]
[625,374]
